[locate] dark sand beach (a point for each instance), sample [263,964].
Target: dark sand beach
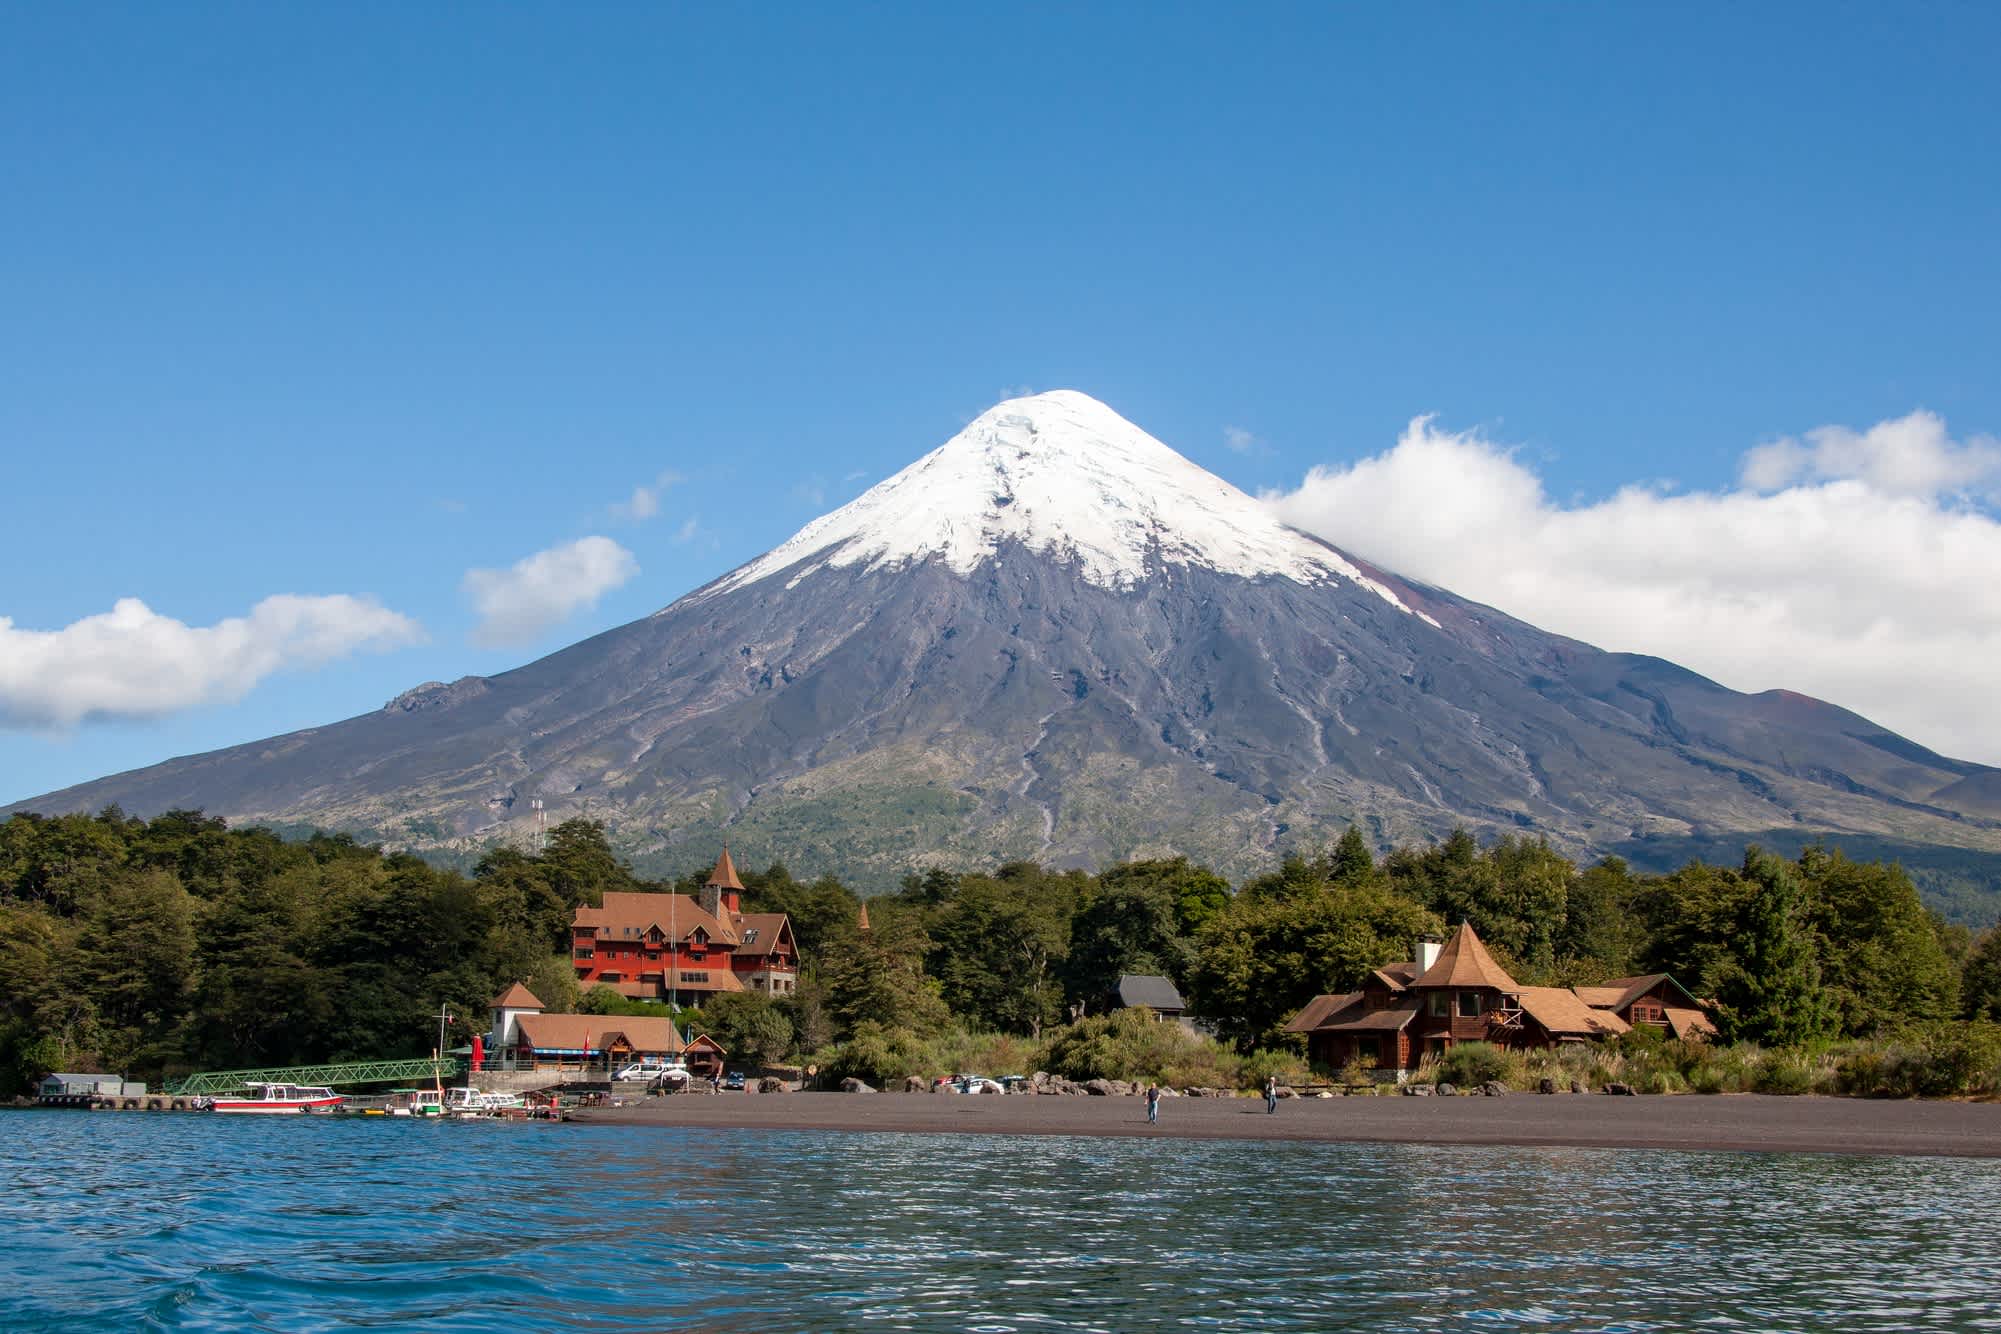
[1744,1122]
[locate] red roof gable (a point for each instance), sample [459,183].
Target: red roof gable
[724,876]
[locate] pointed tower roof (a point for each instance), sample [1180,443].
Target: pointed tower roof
[1464,962]
[862,921]
[724,876]
[517,997]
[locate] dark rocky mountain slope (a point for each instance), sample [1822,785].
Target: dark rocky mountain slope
[1054,638]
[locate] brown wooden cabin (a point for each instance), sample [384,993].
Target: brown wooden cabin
[1457,992]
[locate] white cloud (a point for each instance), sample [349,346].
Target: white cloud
[1850,565]
[1237,440]
[1911,456]
[132,662]
[644,503]
[517,604]
[689,530]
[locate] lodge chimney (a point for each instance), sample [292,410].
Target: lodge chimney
[1427,954]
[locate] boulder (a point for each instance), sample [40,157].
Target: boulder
[1418,1090]
[853,1085]
[1447,1090]
[1545,1085]
[1494,1088]
[1579,1086]
[1621,1090]
[1098,1088]
[772,1085]
[916,1084]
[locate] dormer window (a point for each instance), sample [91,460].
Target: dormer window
[750,935]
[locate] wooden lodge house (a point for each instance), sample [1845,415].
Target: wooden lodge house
[1406,1012]
[662,946]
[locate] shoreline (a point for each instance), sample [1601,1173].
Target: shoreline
[1743,1123]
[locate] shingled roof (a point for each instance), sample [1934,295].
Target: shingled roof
[1464,962]
[1154,992]
[684,916]
[760,932]
[516,997]
[1689,1023]
[724,876]
[1319,1009]
[1563,1013]
[573,1033]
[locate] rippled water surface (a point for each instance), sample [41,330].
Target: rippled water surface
[191,1222]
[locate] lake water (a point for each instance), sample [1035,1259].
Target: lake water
[124,1220]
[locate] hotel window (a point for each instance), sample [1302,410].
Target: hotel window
[694,979]
[1469,1005]
[1441,1005]
[586,952]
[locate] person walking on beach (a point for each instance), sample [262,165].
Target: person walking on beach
[1153,1104]
[1271,1093]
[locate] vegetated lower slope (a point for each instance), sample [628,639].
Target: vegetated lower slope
[1053,638]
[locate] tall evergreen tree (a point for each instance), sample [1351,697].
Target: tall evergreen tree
[1775,994]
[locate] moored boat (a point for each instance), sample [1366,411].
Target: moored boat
[278,1099]
[469,1101]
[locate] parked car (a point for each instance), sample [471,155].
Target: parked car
[734,1080]
[671,1071]
[976,1084]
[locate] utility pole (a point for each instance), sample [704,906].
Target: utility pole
[438,1052]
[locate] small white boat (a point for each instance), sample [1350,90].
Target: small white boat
[469,1101]
[279,1100]
[416,1102]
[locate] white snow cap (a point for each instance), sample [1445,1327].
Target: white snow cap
[1065,476]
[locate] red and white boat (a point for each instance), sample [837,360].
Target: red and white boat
[279,1099]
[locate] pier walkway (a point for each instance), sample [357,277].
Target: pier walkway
[328,1076]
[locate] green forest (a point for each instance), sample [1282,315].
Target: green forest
[155,947]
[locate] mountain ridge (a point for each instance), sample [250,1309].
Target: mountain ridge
[904,682]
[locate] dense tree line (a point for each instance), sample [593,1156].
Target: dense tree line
[177,943]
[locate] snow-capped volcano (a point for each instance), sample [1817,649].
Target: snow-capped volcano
[1062,475]
[1053,637]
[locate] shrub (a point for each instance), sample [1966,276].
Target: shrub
[1939,1060]
[1355,1072]
[1131,1044]
[877,1055]
[1470,1064]
[1660,1080]
[1786,1075]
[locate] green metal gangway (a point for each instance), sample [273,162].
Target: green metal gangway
[329,1076]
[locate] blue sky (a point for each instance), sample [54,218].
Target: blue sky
[354,301]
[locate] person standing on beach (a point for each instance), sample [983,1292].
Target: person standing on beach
[1153,1104]
[1271,1093]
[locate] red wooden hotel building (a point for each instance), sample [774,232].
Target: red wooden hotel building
[657,946]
